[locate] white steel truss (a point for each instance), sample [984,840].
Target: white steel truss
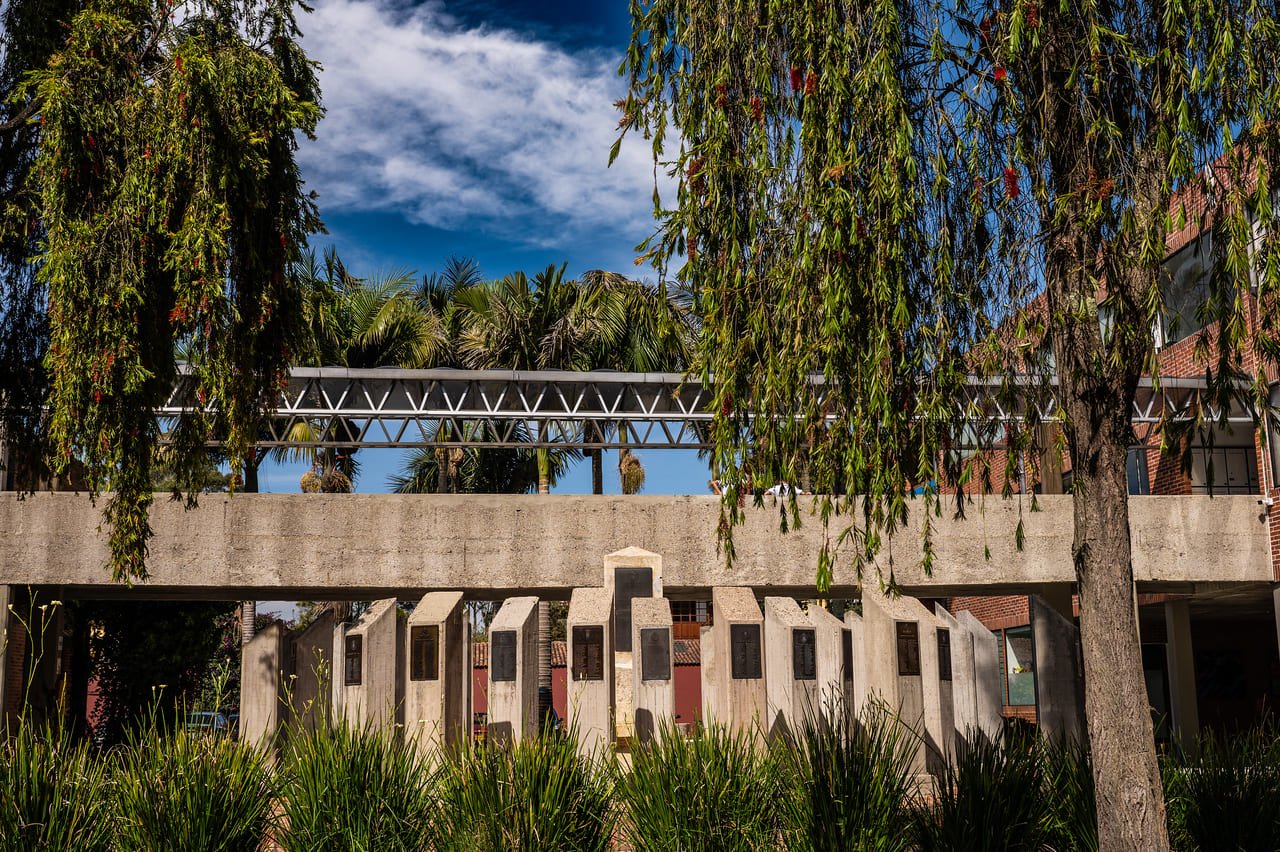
[391,407]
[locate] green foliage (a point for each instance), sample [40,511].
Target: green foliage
[56,793]
[353,790]
[854,782]
[1069,794]
[716,790]
[537,794]
[1224,798]
[155,656]
[991,798]
[172,208]
[187,790]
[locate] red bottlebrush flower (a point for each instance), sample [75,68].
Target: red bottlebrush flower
[726,407]
[985,29]
[90,141]
[797,78]
[177,63]
[195,262]
[692,244]
[1011,188]
[202,396]
[146,153]
[284,241]
[1001,74]
[1033,16]
[97,397]
[757,108]
[722,94]
[811,82]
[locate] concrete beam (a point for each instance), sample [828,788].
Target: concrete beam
[360,546]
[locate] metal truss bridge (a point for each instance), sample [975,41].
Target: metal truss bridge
[339,408]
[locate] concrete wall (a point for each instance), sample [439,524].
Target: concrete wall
[376,700]
[835,662]
[310,664]
[988,693]
[1059,670]
[513,704]
[653,689]
[261,693]
[590,683]
[358,546]
[739,702]
[437,697]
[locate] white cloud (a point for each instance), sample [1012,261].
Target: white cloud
[470,128]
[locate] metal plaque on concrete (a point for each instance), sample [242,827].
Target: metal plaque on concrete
[944,654]
[628,583]
[804,660]
[588,652]
[908,633]
[846,653]
[502,655]
[353,655]
[655,653]
[744,651]
[424,652]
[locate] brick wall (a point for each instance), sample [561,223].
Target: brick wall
[995,612]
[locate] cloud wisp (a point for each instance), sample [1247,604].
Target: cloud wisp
[465,128]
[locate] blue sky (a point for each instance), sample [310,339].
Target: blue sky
[478,128]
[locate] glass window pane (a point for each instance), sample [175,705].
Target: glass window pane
[1019,666]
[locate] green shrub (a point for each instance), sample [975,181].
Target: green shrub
[192,791]
[538,794]
[715,790]
[54,793]
[990,799]
[1228,796]
[1069,795]
[344,788]
[853,782]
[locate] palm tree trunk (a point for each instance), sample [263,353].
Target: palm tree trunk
[249,609]
[544,661]
[544,471]
[597,471]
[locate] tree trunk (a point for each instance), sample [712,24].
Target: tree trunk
[544,662]
[597,471]
[249,609]
[544,471]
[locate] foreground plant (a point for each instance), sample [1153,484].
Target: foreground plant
[716,789]
[347,788]
[1225,797]
[55,793]
[191,790]
[540,793]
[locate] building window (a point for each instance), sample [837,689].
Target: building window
[352,669]
[1017,667]
[1273,418]
[424,645]
[1136,468]
[1224,470]
[1184,288]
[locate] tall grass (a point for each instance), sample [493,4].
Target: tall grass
[176,789]
[853,782]
[537,794]
[1069,795]
[1227,797]
[716,790]
[354,790]
[54,794]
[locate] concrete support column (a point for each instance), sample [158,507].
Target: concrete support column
[989,698]
[513,671]
[1182,673]
[791,664]
[854,624]
[368,668]
[964,687]
[310,652]
[261,688]
[590,682]
[437,673]
[629,574]
[733,662]
[653,677]
[834,648]
[1059,671]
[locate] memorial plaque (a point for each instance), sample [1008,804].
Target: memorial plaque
[744,651]
[424,652]
[908,648]
[628,583]
[846,653]
[502,656]
[655,653]
[944,654]
[804,661]
[588,652]
[354,650]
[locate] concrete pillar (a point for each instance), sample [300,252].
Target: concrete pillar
[654,684]
[1182,673]
[368,668]
[437,673]
[1055,641]
[629,573]
[733,675]
[835,663]
[853,623]
[791,663]
[261,687]
[964,687]
[903,670]
[590,682]
[513,670]
[310,664]
[988,694]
